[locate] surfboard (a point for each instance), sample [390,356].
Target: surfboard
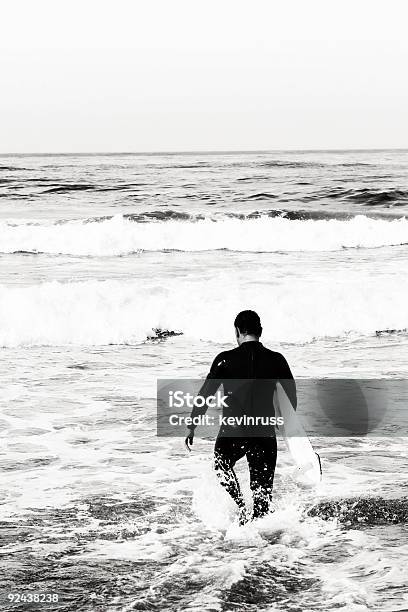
[308,470]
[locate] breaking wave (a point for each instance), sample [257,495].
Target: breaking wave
[120,235]
[130,312]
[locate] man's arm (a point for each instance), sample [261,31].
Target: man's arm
[287,381]
[209,387]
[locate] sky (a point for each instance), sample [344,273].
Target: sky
[192,75]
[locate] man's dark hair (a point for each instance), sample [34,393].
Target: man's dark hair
[248,322]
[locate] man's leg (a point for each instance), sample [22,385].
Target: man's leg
[261,457]
[227,452]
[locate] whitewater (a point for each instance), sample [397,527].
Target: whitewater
[127,312]
[120,235]
[117,270]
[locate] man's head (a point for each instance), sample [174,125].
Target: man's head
[247,326]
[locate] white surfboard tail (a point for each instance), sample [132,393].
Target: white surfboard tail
[307,462]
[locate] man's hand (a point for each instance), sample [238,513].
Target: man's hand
[189,440]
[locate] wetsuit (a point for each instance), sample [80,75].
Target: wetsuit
[248,374]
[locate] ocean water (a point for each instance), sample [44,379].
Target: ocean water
[103,260]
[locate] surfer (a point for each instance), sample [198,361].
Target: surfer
[248,374]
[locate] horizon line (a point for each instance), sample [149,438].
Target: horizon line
[202,151]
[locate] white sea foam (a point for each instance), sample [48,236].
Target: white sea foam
[120,312]
[119,235]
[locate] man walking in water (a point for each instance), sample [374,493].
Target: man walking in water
[248,374]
